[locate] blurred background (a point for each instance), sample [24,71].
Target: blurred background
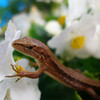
[9,8]
[37,12]
[42,20]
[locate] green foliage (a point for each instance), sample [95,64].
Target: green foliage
[1,37]
[38,33]
[90,64]
[53,90]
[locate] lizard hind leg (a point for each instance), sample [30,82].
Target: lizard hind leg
[92,93]
[33,64]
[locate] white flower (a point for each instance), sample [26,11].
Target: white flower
[81,39]
[24,89]
[53,27]
[23,20]
[95,44]
[95,5]
[77,8]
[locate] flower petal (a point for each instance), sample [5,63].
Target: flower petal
[3,89]
[95,5]
[11,32]
[76,9]
[25,89]
[86,28]
[4,86]
[6,58]
[6,50]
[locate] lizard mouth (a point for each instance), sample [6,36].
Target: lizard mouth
[17,42]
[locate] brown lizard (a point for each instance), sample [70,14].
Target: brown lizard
[51,66]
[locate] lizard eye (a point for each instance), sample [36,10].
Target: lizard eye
[29,48]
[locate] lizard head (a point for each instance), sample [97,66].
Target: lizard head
[30,47]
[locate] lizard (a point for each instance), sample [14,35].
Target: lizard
[50,65]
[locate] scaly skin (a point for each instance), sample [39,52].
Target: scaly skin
[51,66]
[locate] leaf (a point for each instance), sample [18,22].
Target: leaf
[91,64]
[53,90]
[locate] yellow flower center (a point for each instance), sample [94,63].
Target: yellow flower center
[77,42]
[19,68]
[61,20]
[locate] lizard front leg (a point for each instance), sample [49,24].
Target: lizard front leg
[21,73]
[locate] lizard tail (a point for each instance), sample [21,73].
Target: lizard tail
[93,94]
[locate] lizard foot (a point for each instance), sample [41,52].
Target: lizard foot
[18,69]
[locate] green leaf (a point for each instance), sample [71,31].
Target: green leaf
[53,90]
[17,54]
[91,64]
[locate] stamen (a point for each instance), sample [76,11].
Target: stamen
[77,42]
[17,69]
[61,20]
[17,61]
